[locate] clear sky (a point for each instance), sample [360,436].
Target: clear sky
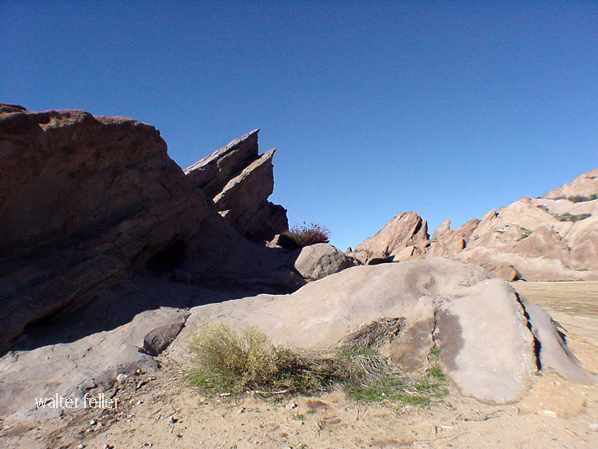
[448,108]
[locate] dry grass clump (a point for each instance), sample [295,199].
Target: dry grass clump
[307,234]
[233,361]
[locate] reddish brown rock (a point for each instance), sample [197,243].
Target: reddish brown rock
[87,201]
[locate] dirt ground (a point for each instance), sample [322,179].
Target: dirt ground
[160,410]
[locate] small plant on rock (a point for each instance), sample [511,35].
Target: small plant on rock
[308,234]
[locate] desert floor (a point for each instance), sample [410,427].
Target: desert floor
[160,410]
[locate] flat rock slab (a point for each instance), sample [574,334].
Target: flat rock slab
[89,365]
[489,343]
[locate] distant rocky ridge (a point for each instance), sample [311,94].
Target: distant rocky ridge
[550,238]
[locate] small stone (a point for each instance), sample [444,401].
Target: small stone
[121,378]
[291,405]
[593,427]
[92,422]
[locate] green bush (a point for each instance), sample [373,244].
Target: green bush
[307,234]
[569,217]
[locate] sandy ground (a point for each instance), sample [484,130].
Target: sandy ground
[160,410]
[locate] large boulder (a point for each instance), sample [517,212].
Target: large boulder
[550,238]
[239,181]
[320,260]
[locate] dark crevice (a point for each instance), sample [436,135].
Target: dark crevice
[537,343]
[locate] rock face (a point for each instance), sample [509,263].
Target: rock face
[68,177]
[406,235]
[239,181]
[87,201]
[582,188]
[490,343]
[550,238]
[320,260]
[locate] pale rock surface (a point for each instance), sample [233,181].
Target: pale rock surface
[89,365]
[479,323]
[550,238]
[585,185]
[320,260]
[485,331]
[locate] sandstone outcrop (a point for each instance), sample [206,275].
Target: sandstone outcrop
[239,181]
[404,236]
[489,345]
[88,201]
[550,238]
[491,341]
[582,188]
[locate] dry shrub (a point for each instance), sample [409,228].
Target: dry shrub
[232,361]
[308,234]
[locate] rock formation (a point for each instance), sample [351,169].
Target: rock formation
[442,303]
[240,182]
[404,236]
[87,202]
[109,252]
[550,238]
[491,341]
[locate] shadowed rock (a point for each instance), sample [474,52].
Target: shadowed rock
[87,201]
[240,182]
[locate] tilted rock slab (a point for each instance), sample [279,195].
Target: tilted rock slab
[239,181]
[488,340]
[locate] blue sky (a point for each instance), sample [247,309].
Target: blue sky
[446,108]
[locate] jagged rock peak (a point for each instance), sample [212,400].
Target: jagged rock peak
[549,238]
[405,233]
[213,172]
[239,182]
